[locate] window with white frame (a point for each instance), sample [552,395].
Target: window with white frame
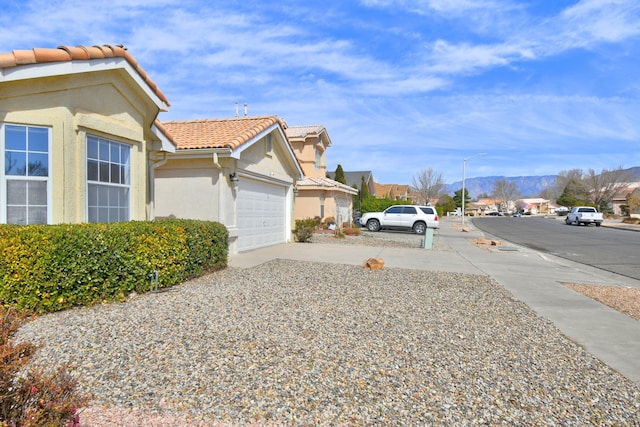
[318,159]
[25,174]
[108,180]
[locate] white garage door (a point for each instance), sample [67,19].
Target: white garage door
[261,214]
[343,214]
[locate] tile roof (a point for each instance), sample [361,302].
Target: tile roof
[218,133]
[79,53]
[164,131]
[325,183]
[303,131]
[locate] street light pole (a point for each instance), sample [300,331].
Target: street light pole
[464,163]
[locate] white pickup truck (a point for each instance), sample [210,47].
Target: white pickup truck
[584,215]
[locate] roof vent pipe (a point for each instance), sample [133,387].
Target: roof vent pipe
[245,109]
[236,109]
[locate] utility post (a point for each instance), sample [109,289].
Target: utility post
[464,163]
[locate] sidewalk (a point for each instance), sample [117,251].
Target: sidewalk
[534,278]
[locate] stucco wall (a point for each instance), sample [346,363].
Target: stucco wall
[307,205]
[306,154]
[105,105]
[187,189]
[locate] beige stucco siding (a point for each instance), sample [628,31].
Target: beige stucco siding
[256,159]
[337,205]
[187,189]
[105,105]
[305,151]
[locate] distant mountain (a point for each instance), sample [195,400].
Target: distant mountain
[529,186]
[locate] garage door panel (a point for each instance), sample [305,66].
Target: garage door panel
[261,214]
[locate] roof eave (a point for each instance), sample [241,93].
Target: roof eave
[49,69]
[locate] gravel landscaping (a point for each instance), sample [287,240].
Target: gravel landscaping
[306,343]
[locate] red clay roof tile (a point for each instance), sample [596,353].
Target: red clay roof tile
[24,57]
[79,53]
[75,52]
[49,55]
[218,133]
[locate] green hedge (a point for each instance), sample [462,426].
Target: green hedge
[46,268]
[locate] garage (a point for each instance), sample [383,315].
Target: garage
[261,210]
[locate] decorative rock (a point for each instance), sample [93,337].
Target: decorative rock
[374,264]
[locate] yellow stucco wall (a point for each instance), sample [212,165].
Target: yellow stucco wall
[104,104]
[188,189]
[275,164]
[306,154]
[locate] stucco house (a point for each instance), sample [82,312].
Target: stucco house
[78,135]
[240,172]
[628,196]
[318,196]
[392,191]
[534,206]
[357,178]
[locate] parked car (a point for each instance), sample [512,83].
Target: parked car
[518,215]
[402,217]
[356,218]
[584,215]
[494,213]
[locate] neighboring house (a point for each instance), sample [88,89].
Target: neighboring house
[534,206]
[475,209]
[77,132]
[239,171]
[392,191]
[493,205]
[633,201]
[623,196]
[318,196]
[355,179]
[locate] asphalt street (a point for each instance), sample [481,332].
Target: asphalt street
[610,249]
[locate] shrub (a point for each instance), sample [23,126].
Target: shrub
[45,268]
[351,231]
[327,222]
[373,204]
[304,229]
[33,398]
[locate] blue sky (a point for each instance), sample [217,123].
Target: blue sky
[400,85]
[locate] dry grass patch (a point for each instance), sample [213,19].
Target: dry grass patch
[624,300]
[631,220]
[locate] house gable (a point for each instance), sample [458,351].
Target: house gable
[77,94]
[243,139]
[309,145]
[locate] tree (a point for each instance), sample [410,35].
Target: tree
[356,199]
[591,188]
[429,184]
[339,176]
[603,186]
[457,198]
[505,191]
[447,203]
[520,206]
[570,197]
[570,188]
[364,190]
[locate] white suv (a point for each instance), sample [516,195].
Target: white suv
[403,217]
